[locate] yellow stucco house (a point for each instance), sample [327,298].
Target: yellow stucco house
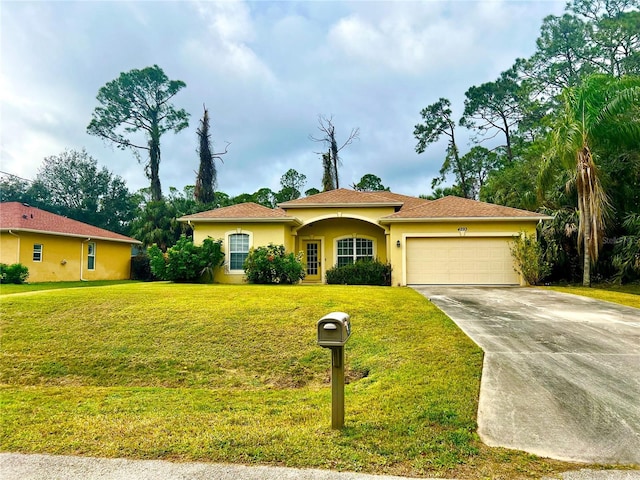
[56,248]
[449,241]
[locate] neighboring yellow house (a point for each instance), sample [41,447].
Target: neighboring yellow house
[449,241]
[56,248]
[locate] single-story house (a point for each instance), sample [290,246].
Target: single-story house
[448,241]
[56,248]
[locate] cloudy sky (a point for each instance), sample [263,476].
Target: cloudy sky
[265,70]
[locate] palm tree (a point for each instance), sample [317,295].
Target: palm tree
[600,116]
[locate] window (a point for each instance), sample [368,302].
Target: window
[238,250]
[91,256]
[37,252]
[352,249]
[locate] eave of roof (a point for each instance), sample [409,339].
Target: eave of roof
[72,235]
[388,220]
[293,220]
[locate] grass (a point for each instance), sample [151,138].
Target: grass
[623,294]
[10,288]
[227,373]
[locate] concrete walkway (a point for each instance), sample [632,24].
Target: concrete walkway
[561,374]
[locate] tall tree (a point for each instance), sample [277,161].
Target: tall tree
[328,137]
[612,32]
[478,163]
[139,101]
[292,184]
[494,108]
[592,36]
[206,181]
[438,122]
[370,183]
[14,188]
[265,197]
[71,184]
[561,56]
[601,112]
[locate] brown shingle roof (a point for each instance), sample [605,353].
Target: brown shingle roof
[18,217]
[346,197]
[241,211]
[411,208]
[457,207]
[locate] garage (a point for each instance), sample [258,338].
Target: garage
[460,261]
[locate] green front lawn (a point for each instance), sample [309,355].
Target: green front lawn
[10,288]
[227,373]
[623,294]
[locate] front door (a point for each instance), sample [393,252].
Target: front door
[313,260]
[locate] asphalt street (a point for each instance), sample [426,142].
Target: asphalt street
[15,466]
[561,373]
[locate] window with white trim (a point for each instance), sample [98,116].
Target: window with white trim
[349,250]
[91,256]
[37,252]
[238,250]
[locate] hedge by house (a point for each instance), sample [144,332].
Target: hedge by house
[362,272]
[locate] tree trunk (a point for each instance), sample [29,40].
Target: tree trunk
[334,154]
[586,275]
[584,207]
[327,172]
[154,169]
[507,135]
[464,184]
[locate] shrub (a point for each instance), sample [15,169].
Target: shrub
[529,258]
[626,252]
[362,272]
[271,264]
[14,273]
[141,267]
[186,262]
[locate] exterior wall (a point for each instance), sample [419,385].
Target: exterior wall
[327,225]
[9,248]
[260,234]
[372,214]
[113,261]
[401,231]
[65,258]
[328,231]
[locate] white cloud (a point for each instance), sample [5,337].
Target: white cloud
[265,70]
[226,44]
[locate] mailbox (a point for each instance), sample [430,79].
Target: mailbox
[334,329]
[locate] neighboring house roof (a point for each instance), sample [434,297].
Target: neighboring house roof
[457,208]
[19,217]
[250,212]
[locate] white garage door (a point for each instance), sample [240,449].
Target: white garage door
[460,261]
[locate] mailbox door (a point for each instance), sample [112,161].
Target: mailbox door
[330,332]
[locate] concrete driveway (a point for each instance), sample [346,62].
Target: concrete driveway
[561,374]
